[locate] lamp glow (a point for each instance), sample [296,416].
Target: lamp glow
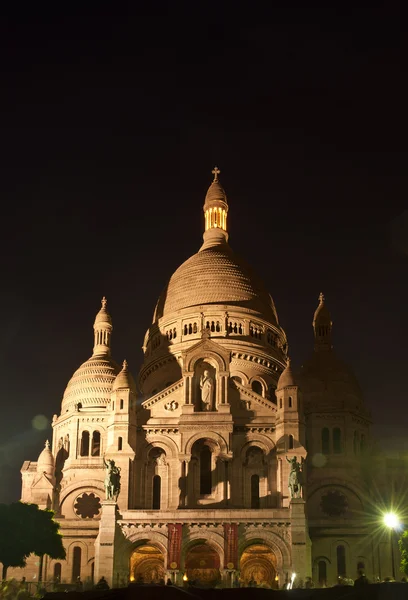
[391,520]
[185,578]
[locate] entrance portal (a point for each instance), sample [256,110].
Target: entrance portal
[203,565]
[147,564]
[258,564]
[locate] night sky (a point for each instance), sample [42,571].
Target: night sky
[111,121]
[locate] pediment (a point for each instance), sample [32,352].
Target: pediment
[256,401]
[206,348]
[43,483]
[165,401]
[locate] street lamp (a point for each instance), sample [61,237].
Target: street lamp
[392,522]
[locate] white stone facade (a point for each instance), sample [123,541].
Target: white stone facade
[204,475]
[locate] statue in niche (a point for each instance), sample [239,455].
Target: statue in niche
[207,385]
[161,460]
[255,458]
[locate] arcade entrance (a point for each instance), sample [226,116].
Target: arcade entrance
[147,564]
[202,565]
[258,564]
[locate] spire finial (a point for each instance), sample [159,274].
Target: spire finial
[47,444]
[215,172]
[104,302]
[125,364]
[321,297]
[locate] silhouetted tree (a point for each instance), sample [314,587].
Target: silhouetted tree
[403,546]
[25,529]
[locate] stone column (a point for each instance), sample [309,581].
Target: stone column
[105,543]
[301,544]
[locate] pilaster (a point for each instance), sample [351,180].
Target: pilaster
[301,544]
[105,542]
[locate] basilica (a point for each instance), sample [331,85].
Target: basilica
[229,466]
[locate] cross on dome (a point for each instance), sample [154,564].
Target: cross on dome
[104,302]
[215,172]
[321,297]
[125,364]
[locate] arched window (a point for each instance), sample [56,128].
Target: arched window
[85,443]
[355,442]
[205,471]
[325,441]
[156,492]
[337,440]
[76,563]
[217,326]
[120,443]
[322,572]
[290,442]
[255,500]
[280,402]
[96,443]
[121,405]
[57,572]
[195,328]
[341,561]
[360,565]
[92,572]
[362,443]
[185,329]
[257,387]
[290,401]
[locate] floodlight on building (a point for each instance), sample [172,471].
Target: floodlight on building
[391,520]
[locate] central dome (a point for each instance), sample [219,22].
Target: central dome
[215,275]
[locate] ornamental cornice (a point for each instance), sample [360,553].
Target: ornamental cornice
[258,399]
[160,395]
[150,431]
[258,361]
[153,366]
[129,528]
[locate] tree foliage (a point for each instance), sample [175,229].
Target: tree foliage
[403,546]
[25,529]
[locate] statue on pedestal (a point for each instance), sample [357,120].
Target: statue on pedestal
[295,482]
[112,480]
[207,385]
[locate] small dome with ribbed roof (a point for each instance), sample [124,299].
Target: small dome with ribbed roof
[124,380]
[287,377]
[103,316]
[45,462]
[91,384]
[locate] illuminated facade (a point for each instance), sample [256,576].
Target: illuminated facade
[203,445]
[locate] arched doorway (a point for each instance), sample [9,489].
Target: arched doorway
[202,565]
[147,564]
[258,563]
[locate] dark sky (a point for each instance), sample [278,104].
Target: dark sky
[111,122]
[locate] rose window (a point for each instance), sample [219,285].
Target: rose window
[334,504]
[87,506]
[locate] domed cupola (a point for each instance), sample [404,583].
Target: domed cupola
[287,378]
[215,213]
[91,384]
[322,326]
[45,462]
[215,275]
[325,379]
[124,380]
